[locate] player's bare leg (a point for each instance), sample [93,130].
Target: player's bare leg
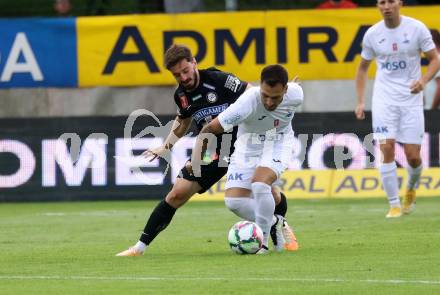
[162,215]
[412,153]
[388,173]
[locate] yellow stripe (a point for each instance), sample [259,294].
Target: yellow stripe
[305,184]
[222,37]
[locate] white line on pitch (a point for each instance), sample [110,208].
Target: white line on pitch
[90,213]
[316,280]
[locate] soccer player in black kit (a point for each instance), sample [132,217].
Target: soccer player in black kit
[201,95]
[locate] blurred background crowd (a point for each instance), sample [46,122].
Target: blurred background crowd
[26,8]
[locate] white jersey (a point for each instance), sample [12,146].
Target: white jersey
[397,52]
[257,125]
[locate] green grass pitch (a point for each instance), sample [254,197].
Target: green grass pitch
[346,247]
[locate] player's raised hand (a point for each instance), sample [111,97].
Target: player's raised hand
[154,153]
[417,86]
[359,111]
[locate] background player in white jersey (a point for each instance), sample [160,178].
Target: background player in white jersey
[396,42]
[263,147]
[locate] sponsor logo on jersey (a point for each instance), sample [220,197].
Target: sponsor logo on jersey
[261,118]
[381,129]
[289,114]
[235,176]
[260,138]
[276,160]
[232,83]
[233,119]
[382,40]
[210,111]
[208,119]
[211,97]
[196,97]
[183,101]
[206,85]
[394,66]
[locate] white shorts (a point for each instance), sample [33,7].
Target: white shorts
[405,124]
[242,168]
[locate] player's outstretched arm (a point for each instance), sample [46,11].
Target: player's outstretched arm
[178,130]
[213,127]
[361,81]
[204,138]
[431,70]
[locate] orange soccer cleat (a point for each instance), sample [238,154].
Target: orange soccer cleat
[291,243]
[132,251]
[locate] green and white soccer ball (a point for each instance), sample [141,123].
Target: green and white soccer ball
[245,237]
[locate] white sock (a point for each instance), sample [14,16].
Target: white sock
[140,246]
[264,207]
[274,220]
[243,207]
[388,174]
[413,176]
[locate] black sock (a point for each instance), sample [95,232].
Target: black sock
[281,208]
[158,221]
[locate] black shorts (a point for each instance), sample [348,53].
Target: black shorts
[210,174]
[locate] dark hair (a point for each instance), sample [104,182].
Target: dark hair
[435,37]
[274,74]
[175,53]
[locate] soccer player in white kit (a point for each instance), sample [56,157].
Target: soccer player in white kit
[396,42]
[263,148]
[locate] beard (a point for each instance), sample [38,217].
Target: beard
[192,86]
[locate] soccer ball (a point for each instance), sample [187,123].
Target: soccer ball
[245,237]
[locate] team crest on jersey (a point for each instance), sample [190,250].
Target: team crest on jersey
[394,46]
[211,97]
[276,122]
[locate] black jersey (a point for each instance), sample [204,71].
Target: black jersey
[215,92]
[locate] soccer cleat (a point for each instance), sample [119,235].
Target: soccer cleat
[276,233]
[132,251]
[395,212]
[290,242]
[409,201]
[264,250]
